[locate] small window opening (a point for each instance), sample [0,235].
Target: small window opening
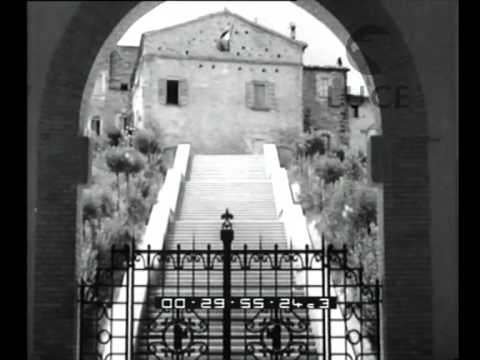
[125,123]
[355,111]
[223,43]
[95,125]
[172,92]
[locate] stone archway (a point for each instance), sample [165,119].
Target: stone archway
[62,163]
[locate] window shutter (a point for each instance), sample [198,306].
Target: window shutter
[162,91]
[183,92]
[271,100]
[336,92]
[249,94]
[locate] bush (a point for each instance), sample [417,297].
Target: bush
[365,208]
[116,161]
[354,169]
[328,169]
[114,135]
[146,142]
[314,144]
[137,210]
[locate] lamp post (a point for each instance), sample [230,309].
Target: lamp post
[226,235]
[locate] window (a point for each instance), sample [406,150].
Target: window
[95,125]
[172,92]
[355,111]
[223,43]
[259,95]
[124,86]
[323,85]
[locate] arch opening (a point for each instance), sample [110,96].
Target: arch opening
[313,8]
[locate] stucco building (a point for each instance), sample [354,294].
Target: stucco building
[222,83]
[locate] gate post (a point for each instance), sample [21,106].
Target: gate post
[226,235]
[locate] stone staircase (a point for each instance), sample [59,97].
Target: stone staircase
[214,183]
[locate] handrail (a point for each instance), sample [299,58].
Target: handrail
[154,236]
[287,209]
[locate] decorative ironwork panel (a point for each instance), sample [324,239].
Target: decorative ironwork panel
[249,304]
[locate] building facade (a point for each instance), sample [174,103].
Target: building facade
[222,83]
[110,103]
[325,103]
[362,122]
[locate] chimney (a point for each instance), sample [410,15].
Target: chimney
[292,30]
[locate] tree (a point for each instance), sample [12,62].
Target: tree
[117,164]
[133,164]
[114,135]
[147,143]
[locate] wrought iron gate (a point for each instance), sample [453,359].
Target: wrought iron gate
[239,303]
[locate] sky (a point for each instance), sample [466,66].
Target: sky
[324,48]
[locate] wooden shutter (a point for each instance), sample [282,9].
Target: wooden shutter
[183,92]
[162,91]
[249,96]
[271,100]
[336,92]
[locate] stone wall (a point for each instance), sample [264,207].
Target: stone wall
[214,114]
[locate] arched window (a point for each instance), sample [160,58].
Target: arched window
[96,125]
[223,43]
